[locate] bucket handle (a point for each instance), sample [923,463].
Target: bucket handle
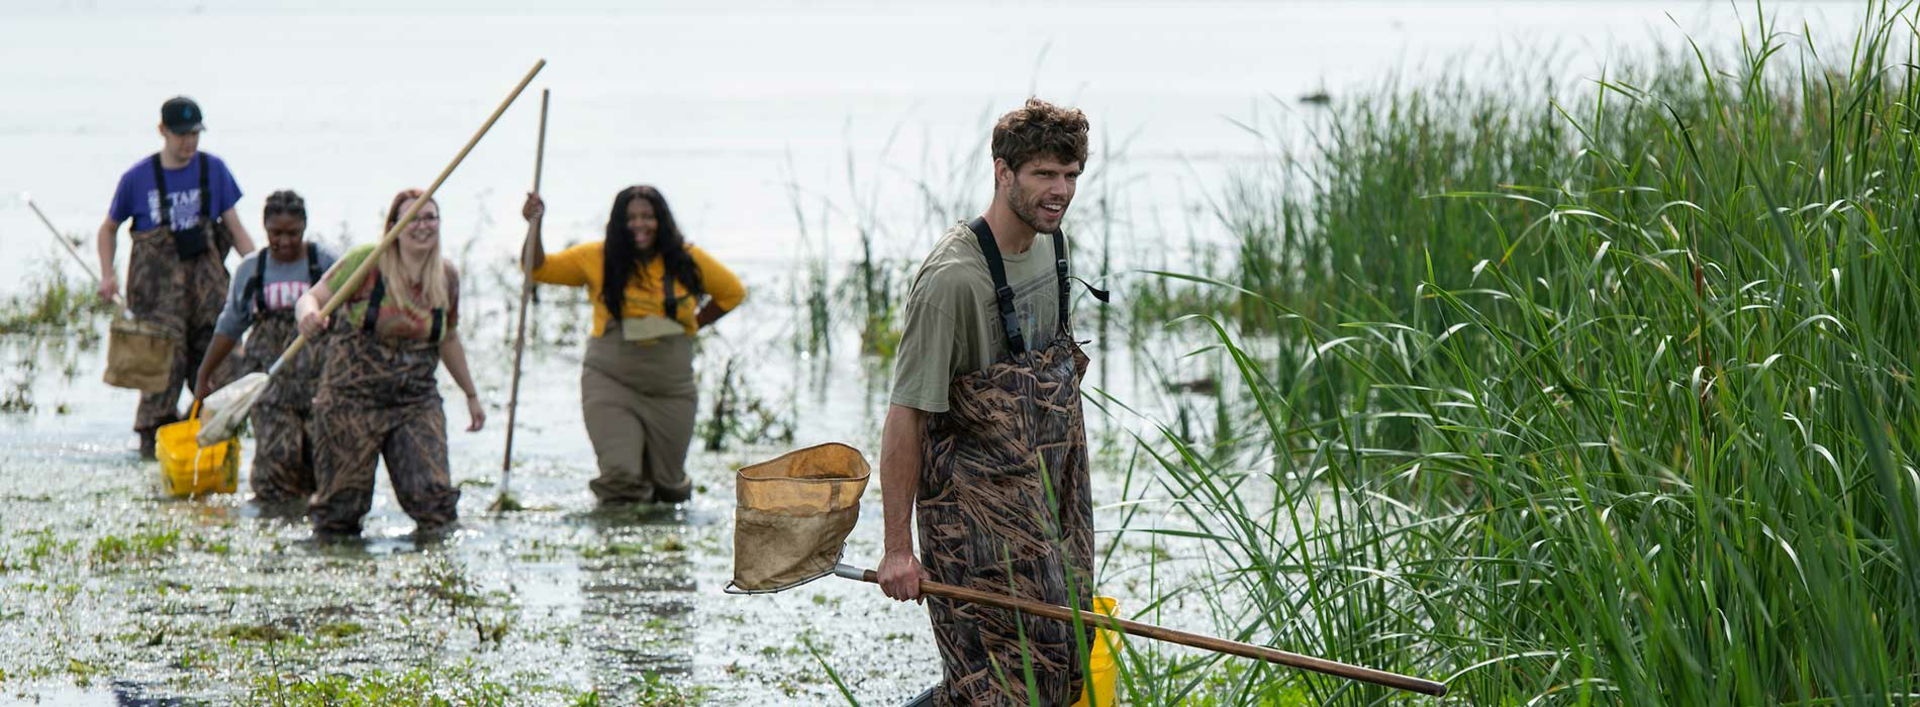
[193,413]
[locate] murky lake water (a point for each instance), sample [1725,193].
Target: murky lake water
[726,108]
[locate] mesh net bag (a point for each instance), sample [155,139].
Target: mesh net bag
[792,515]
[139,355]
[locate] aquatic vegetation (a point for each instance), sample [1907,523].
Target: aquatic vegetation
[1607,401]
[740,415]
[53,302]
[656,691]
[340,630]
[143,545]
[259,633]
[444,687]
[1602,398]
[489,614]
[18,397]
[873,285]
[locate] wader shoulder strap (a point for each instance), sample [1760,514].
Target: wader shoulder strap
[379,295]
[1060,277]
[373,312]
[160,183]
[313,265]
[206,195]
[1002,293]
[1060,270]
[672,301]
[257,288]
[166,205]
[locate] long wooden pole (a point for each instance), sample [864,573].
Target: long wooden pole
[526,295]
[224,422]
[122,309]
[1135,628]
[360,273]
[62,239]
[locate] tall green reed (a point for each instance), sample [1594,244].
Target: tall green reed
[1605,399]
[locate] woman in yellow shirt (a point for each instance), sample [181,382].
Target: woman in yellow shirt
[637,390]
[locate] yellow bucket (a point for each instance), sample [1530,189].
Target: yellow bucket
[188,469]
[1104,667]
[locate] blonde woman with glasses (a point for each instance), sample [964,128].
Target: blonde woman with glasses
[377,396]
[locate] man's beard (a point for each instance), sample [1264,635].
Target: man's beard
[1027,211]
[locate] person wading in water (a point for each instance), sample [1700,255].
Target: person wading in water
[262,299]
[637,390]
[984,439]
[181,201]
[377,397]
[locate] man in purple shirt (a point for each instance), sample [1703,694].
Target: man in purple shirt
[181,201]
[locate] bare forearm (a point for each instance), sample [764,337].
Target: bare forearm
[454,354]
[242,241]
[900,439]
[533,253]
[216,354]
[104,245]
[308,303]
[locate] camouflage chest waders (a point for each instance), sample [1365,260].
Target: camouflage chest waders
[283,454]
[179,281]
[378,400]
[1004,506]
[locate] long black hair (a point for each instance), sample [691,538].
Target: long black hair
[623,258]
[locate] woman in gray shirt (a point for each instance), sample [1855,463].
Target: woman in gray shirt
[265,286]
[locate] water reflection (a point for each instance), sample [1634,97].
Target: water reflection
[637,603]
[366,546]
[119,693]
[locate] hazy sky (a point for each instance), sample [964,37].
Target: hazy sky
[644,6]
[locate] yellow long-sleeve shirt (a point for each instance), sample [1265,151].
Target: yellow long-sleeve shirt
[584,264]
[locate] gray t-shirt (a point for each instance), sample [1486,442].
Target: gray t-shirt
[285,283]
[953,321]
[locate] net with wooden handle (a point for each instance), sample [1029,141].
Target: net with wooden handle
[1135,628]
[360,273]
[228,407]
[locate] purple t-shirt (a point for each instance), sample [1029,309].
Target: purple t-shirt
[139,198]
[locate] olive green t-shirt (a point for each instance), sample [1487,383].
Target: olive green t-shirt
[953,323]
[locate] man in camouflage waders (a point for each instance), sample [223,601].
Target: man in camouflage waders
[984,436]
[177,273]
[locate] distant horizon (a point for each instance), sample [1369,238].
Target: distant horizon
[630,7]
[724,105]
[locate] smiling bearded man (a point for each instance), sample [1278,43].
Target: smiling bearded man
[984,436]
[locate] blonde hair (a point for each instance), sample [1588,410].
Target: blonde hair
[402,280]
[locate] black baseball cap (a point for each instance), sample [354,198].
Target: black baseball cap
[181,115]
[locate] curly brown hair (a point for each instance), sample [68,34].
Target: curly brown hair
[1040,129]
